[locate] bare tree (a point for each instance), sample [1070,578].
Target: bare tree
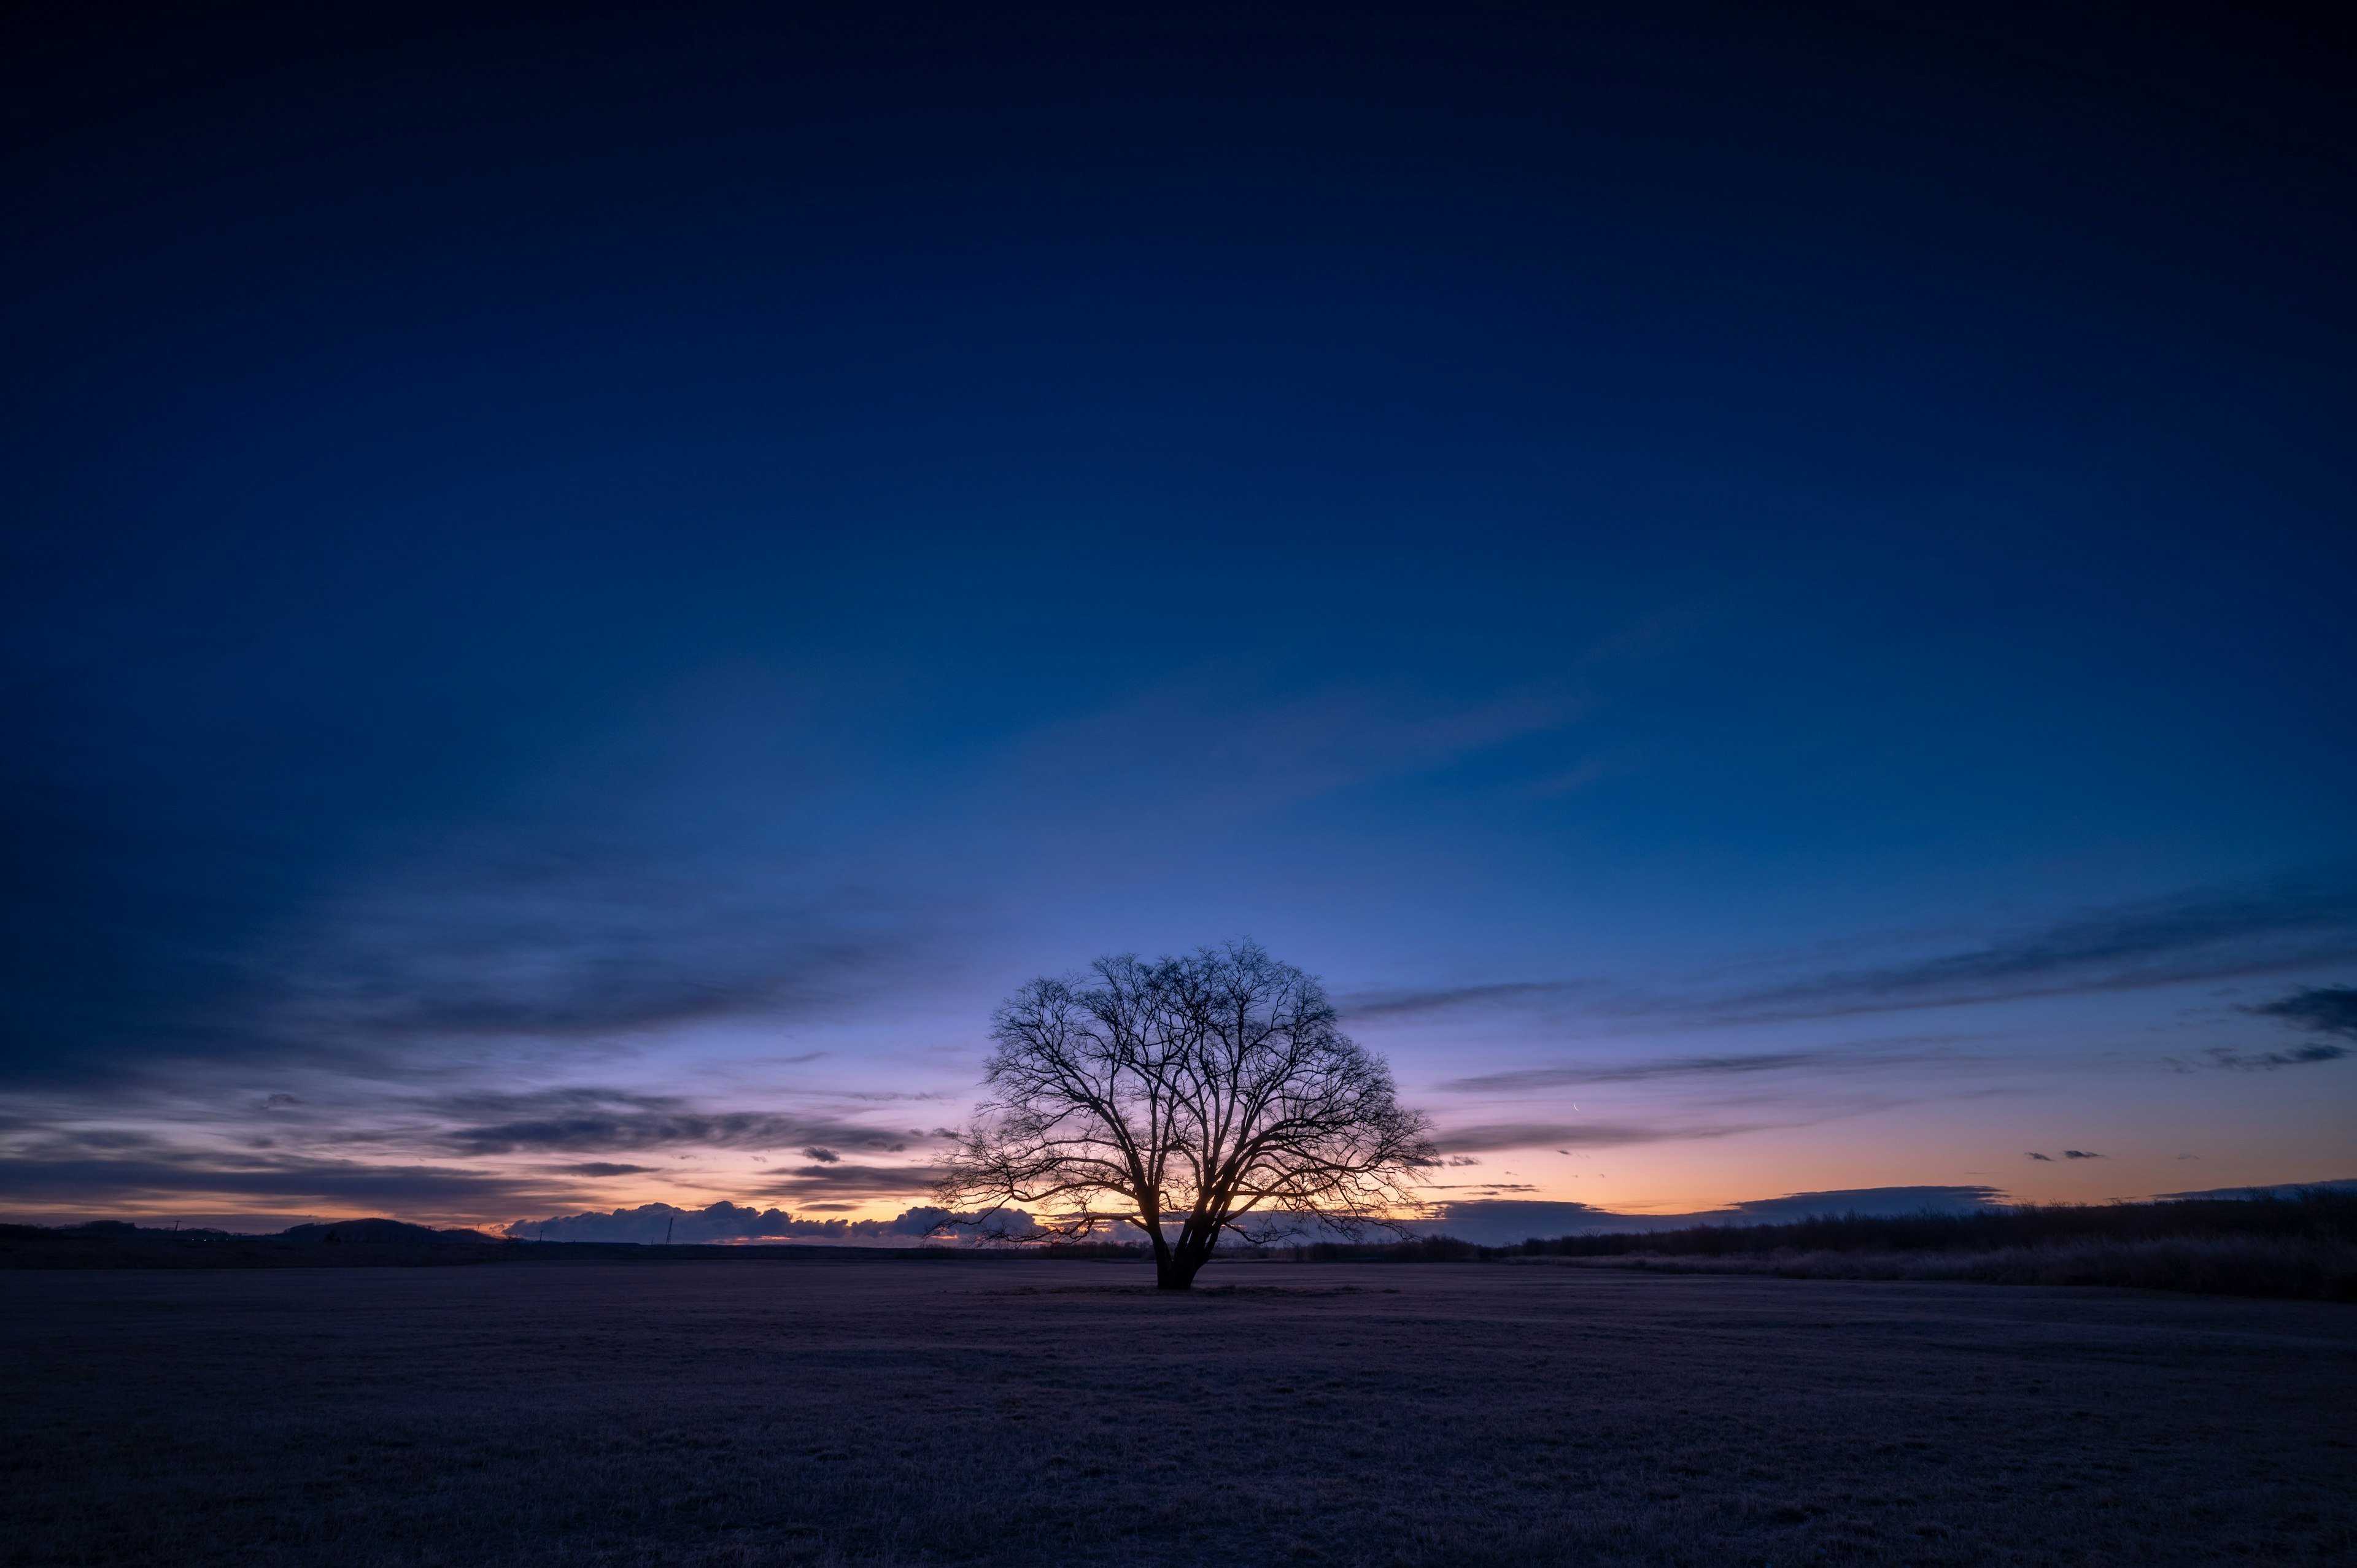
[1212,1091]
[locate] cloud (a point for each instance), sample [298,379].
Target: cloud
[2230,1060]
[482,1104]
[823,1157]
[2196,935]
[589,1132]
[1364,1006]
[2048,1158]
[1588,770]
[2079,1154]
[1849,1057]
[180,1175]
[1495,1222]
[2199,934]
[601,899]
[74,1141]
[567,941]
[1550,1134]
[450,1156]
[2316,1009]
[1200,750]
[2289,1189]
[724,1222]
[1871,1200]
[573,918]
[2325,1009]
[1556,1077]
[842,1179]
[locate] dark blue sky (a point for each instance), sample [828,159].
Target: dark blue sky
[1765,597]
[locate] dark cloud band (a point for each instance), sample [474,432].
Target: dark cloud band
[2200,934]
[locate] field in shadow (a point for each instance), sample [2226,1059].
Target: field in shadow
[894,1412]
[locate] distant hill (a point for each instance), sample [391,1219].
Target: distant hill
[341,1243]
[380,1243]
[378,1234]
[1503,1222]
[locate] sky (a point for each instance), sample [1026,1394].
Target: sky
[1765,598]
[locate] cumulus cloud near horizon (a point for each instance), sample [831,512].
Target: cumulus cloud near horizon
[1487,1221]
[732,1222]
[1503,1222]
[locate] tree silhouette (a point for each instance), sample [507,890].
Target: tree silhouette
[1213,1091]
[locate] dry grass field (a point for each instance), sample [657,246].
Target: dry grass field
[811,1413]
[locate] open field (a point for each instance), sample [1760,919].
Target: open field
[970,1411]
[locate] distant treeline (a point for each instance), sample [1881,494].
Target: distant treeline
[2302,1243]
[347,1244]
[2298,1243]
[2313,1214]
[382,1243]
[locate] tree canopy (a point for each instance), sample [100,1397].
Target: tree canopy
[1190,1098]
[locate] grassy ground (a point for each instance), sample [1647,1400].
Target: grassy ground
[706,1414]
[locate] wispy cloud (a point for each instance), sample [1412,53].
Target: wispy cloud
[1590,770]
[2225,1059]
[1503,1221]
[578,921]
[844,1180]
[468,1154]
[1205,750]
[1567,1135]
[2200,934]
[608,1130]
[506,941]
[724,1222]
[2323,1009]
[1849,1059]
[161,1174]
[1397,1003]
[2344,1184]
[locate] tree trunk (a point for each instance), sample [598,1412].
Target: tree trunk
[1175,1271]
[1174,1268]
[1165,1260]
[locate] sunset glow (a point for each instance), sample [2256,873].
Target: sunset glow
[1768,625]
